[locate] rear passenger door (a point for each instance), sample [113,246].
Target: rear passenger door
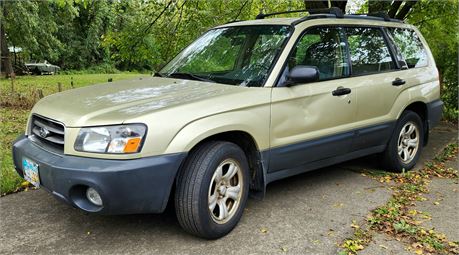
[373,71]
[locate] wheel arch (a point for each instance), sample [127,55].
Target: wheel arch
[251,150]
[420,108]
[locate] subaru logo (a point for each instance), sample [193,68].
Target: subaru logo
[43,132]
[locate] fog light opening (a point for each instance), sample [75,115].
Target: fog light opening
[93,196]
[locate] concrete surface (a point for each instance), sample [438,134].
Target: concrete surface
[384,245]
[445,192]
[307,214]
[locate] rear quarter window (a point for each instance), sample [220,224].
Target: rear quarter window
[409,46]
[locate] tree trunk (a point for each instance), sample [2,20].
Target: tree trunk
[5,63]
[312,4]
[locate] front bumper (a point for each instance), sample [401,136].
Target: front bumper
[125,186]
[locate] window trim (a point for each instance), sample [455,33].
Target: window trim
[351,75]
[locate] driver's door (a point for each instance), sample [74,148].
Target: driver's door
[308,121]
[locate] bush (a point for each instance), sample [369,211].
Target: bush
[105,68]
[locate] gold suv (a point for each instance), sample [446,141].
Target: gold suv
[246,104]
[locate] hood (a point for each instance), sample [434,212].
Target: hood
[113,103]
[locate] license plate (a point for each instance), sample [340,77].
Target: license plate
[30,169]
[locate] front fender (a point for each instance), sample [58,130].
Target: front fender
[255,122]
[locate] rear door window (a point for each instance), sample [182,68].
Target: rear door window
[369,51]
[409,46]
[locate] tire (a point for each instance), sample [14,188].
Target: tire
[199,183]
[404,138]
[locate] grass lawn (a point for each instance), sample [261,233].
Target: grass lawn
[13,120]
[48,83]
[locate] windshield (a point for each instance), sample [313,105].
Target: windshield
[232,55]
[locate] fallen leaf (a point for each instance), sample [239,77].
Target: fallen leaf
[338,205]
[355,226]
[418,251]
[426,217]
[417,222]
[416,245]
[436,203]
[264,230]
[383,246]
[284,249]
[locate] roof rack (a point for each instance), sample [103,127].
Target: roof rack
[333,11]
[374,16]
[383,15]
[370,16]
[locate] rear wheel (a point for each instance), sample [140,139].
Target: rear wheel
[212,189]
[405,146]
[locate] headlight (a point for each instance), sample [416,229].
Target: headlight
[111,139]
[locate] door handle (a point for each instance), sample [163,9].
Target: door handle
[341,91]
[398,82]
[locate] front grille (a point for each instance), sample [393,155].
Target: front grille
[47,133]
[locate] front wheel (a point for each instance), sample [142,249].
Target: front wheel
[212,189]
[405,146]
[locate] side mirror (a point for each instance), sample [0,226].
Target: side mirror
[302,74]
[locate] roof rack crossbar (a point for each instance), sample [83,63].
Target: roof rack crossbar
[334,10]
[381,14]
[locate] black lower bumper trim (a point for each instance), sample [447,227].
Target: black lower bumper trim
[434,112]
[125,186]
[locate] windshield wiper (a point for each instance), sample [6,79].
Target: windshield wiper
[190,76]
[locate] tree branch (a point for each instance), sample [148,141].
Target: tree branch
[240,10]
[157,17]
[150,25]
[406,9]
[394,8]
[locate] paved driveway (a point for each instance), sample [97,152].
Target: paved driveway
[308,214]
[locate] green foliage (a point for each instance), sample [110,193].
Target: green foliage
[104,68]
[403,226]
[153,32]
[145,35]
[82,32]
[32,26]
[12,123]
[438,22]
